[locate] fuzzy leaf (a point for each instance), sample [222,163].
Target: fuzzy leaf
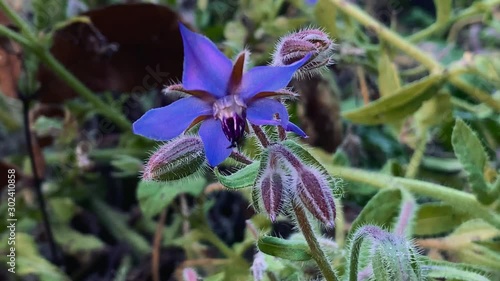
[394,107]
[244,177]
[388,78]
[154,196]
[282,248]
[436,218]
[469,150]
[452,271]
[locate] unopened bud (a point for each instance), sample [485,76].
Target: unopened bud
[296,46]
[176,159]
[259,266]
[188,274]
[313,189]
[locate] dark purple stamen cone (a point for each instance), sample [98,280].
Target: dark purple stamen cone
[234,128]
[272,194]
[314,192]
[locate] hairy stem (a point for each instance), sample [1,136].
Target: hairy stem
[240,157]
[316,251]
[261,135]
[462,202]
[416,158]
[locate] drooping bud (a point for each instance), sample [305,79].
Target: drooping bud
[176,159]
[313,190]
[297,45]
[273,186]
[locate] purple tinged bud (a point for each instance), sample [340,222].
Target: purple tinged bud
[272,190]
[296,46]
[176,159]
[259,266]
[188,274]
[313,189]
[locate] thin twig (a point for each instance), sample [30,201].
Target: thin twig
[155,255]
[38,183]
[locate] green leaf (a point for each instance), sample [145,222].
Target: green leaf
[397,106]
[380,210]
[436,218]
[470,152]
[30,262]
[388,78]
[435,111]
[62,209]
[286,249]
[76,243]
[154,196]
[452,271]
[325,14]
[443,11]
[128,165]
[244,177]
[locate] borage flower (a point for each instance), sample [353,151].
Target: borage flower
[221,96]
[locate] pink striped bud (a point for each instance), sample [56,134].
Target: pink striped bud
[176,159]
[296,46]
[313,190]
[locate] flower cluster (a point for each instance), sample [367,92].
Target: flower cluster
[284,179]
[222,96]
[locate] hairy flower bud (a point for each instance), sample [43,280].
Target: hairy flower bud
[176,159]
[297,45]
[390,256]
[313,190]
[273,186]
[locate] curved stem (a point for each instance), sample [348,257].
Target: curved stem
[417,156]
[261,135]
[316,252]
[462,202]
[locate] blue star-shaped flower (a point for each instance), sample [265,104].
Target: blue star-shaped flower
[222,96]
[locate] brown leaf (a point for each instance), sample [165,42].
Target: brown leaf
[127,48]
[10,63]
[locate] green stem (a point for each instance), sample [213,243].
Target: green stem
[18,21]
[100,106]
[388,35]
[463,202]
[208,235]
[399,42]
[316,251]
[417,156]
[30,41]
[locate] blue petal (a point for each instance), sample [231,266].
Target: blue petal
[268,78]
[294,128]
[205,67]
[215,142]
[167,122]
[261,112]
